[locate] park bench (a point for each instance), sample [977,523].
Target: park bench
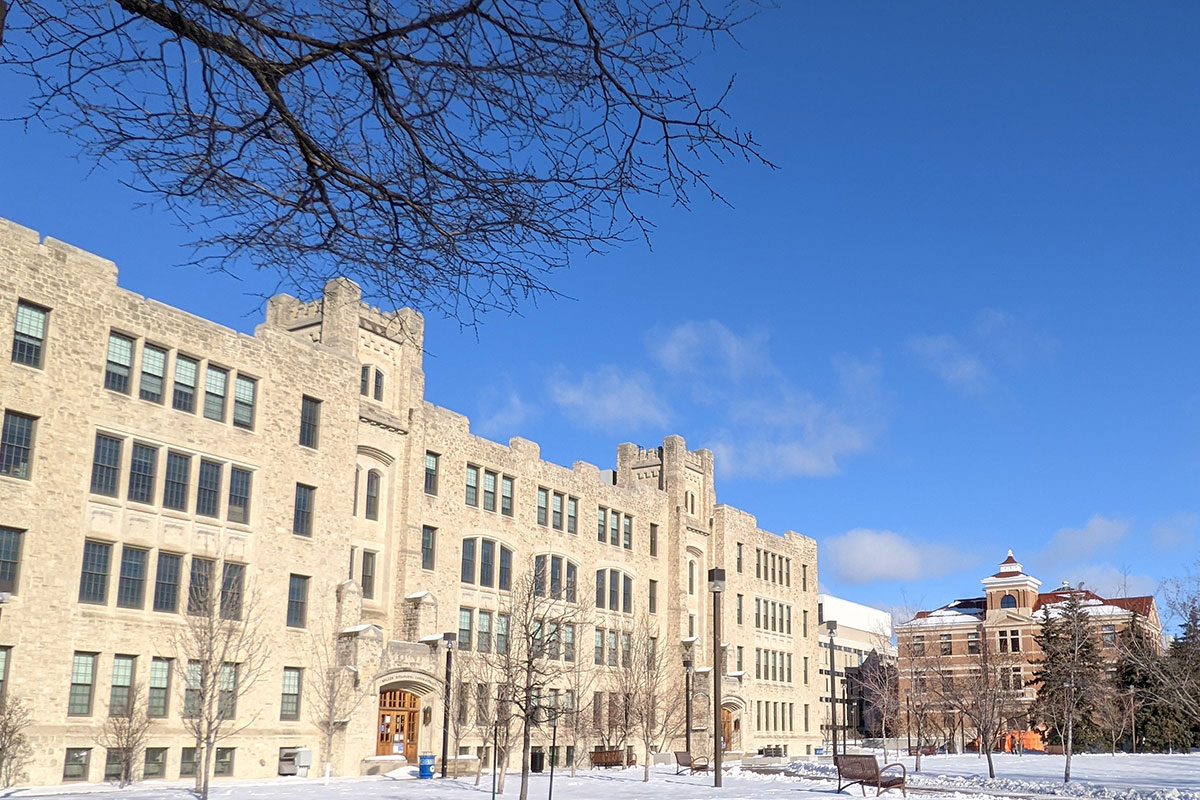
[865,770]
[612,758]
[684,760]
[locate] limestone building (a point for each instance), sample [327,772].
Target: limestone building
[147,452]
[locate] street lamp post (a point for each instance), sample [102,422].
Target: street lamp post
[449,639]
[831,626]
[687,692]
[553,723]
[716,585]
[908,718]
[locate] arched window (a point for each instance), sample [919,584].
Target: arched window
[364,385]
[617,587]
[1008,601]
[373,494]
[691,577]
[563,577]
[487,571]
[378,384]
[357,475]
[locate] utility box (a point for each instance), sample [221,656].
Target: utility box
[295,761]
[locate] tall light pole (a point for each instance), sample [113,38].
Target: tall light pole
[687,691]
[553,723]
[716,585]
[449,639]
[831,626]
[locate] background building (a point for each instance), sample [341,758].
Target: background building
[150,457]
[859,631]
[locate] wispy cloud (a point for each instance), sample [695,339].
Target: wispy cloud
[995,341]
[1107,580]
[707,347]
[505,412]
[868,556]
[609,398]
[1176,531]
[1080,545]
[948,358]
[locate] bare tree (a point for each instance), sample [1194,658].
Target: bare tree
[984,688]
[221,654]
[879,685]
[334,689]
[15,748]
[1111,711]
[652,694]
[580,680]
[445,153]
[126,731]
[921,679]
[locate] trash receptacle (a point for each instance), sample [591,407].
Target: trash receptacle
[425,765]
[537,762]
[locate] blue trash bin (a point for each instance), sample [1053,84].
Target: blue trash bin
[425,766]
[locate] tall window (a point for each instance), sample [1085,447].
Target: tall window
[364,383]
[289,701]
[297,608]
[142,466]
[601,522]
[556,520]
[93,582]
[183,395]
[302,517]
[542,503]
[193,682]
[200,586]
[227,679]
[131,587]
[691,577]
[653,598]
[614,528]
[29,334]
[155,764]
[654,539]
[208,491]
[739,556]
[483,641]
[373,477]
[502,633]
[572,514]
[122,680]
[506,496]
[468,561]
[504,578]
[489,491]
[428,546]
[233,581]
[239,495]
[431,472]
[106,465]
[159,688]
[487,562]
[83,676]
[216,382]
[368,575]
[154,371]
[472,495]
[16,444]
[10,562]
[378,384]
[120,360]
[627,541]
[310,421]
[464,628]
[166,582]
[627,594]
[244,390]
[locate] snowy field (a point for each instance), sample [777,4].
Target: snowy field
[1122,777]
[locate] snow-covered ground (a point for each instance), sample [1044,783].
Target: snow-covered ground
[1141,777]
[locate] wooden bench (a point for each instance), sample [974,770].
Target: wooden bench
[925,750]
[612,758]
[865,770]
[684,760]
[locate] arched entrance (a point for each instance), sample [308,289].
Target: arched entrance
[726,729]
[399,723]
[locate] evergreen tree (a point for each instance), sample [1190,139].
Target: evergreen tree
[1070,669]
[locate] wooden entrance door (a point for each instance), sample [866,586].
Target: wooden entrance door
[398,725]
[726,729]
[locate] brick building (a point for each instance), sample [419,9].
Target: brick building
[146,450]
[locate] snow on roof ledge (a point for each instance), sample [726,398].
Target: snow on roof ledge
[418,595]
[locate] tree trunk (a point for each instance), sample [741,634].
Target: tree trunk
[1069,742]
[646,768]
[983,743]
[526,747]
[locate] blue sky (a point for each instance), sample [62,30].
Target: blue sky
[960,317]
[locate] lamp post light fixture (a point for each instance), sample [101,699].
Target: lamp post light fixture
[716,585]
[831,627]
[449,639]
[687,643]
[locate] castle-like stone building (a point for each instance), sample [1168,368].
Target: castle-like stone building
[146,452]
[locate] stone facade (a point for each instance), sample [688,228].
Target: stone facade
[374,557]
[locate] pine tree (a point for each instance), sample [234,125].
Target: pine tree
[1071,668]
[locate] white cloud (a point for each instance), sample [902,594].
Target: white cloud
[609,399]
[709,348]
[1012,340]
[505,413]
[1176,531]
[1076,545]
[866,556]
[957,366]
[1106,580]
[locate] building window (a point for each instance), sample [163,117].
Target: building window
[572,514]
[302,517]
[233,581]
[543,498]
[378,385]
[601,523]
[506,496]
[467,572]
[472,494]
[738,609]
[502,633]
[216,381]
[29,334]
[131,588]
[156,763]
[208,490]
[1010,641]
[614,528]
[159,688]
[83,675]
[106,465]
[487,562]
[120,359]
[16,445]
[804,623]
[598,657]
[612,648]
[142,466]
[364,382]
[654,539]
[10,560]
[972,643]
[368,575]
[627,541]
[739,556]
[489,491]
[464,628]
[93,583]
[244,390]
[804,577]
[166,583]
[187,762]
[428,544]
[193,681]
[1108,635]
[175,481]
[154,371]
[289,702]
[918,645]
[945,645]
[431,473]
[653,597]
[1008,601]
[75,768]
[223,762]
[373,477]
[556,511]
[297,607]
[200,586]
[627,594]
[691,577]
[122,679]
[239,495]
[310,421]
[504,580]
[183,396]
[483,641]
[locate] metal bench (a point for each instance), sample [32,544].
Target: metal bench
[865,770]
[685,760]
[612,758]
